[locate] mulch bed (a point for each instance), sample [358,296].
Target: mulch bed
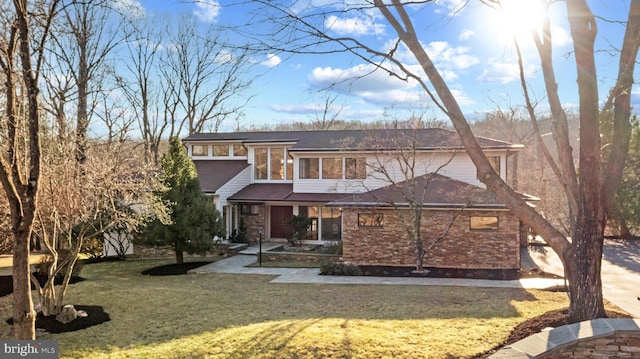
[95,314]
[173,269]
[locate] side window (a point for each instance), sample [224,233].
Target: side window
[484,223]
[370,220]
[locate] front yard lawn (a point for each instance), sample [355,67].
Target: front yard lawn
[243,316]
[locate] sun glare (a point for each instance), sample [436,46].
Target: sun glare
[520,17]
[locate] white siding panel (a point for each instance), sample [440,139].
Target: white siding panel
[240,181]
[460,168]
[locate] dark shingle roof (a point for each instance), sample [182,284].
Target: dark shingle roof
[214,174]
[260,192]
[433,190]
[427,139]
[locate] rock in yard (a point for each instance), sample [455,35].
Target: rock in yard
[67,314]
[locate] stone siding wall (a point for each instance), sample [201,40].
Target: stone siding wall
[598,338]
[253,221]
[462,248]
[618,345]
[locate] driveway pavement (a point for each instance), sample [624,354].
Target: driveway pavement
[620,271]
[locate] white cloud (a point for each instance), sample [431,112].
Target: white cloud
[207,10]
[372,85]
[357,79]
[466,35]
[447,57]
[272,60]
[308,108]
[131,8]
[357,26]
[504,72]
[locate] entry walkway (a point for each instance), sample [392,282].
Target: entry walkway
[238,265]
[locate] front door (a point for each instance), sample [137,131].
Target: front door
[279,217]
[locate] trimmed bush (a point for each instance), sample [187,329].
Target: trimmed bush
[330,268]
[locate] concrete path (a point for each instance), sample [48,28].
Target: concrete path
[238,265]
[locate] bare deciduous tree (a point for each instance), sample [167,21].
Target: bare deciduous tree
[113,195]
[26,30]
[140,84]
[202,78]
[84,37]
[301,28]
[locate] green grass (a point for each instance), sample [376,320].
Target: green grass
[244,316]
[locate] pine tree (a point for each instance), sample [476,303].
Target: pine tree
[194,218]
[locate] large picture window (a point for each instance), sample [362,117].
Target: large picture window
[270,164]
[309,168]
[332,168]
[355,168]
[484,223]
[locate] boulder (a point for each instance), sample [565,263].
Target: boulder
[67,314]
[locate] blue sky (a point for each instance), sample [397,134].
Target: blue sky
[469,45]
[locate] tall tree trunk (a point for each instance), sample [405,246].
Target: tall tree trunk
[24,316]
[179,251]
[582,266]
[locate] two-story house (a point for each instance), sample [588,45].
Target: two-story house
[353,185]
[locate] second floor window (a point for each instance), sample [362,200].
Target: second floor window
[200,150]
[239,151]
[355,168]
[221,150]
[261,162]
[272,164]
[309,168]
[277,163]
[332,168]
